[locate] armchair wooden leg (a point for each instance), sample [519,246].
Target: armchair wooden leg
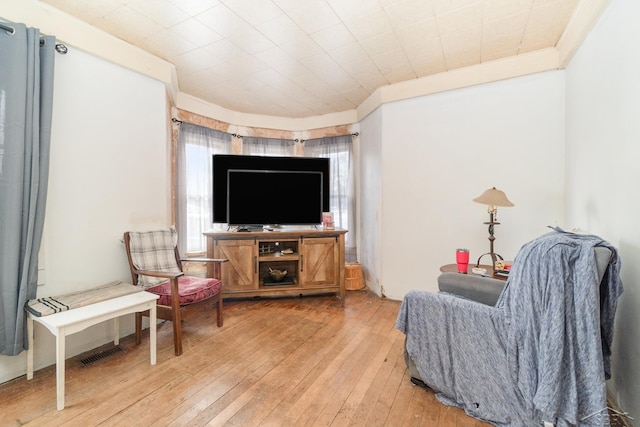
[219,311]
[176,317]
[177,336]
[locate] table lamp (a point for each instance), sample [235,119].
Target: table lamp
[492,198]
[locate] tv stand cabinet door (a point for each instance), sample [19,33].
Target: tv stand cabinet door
[320,262]
[240,273]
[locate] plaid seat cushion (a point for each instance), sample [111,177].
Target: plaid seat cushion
[191,289]
[154,250]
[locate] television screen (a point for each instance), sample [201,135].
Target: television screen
[222,163]
[263,197]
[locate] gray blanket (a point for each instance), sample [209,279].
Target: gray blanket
[541,354]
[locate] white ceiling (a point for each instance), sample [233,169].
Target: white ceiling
[302,58]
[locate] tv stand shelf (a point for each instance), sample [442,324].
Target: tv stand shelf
[313,259]
[279,258]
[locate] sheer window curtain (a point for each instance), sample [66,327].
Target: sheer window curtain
[26,104]
[196,146]
[253,146]
[343,201]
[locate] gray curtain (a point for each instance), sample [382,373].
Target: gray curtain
[26,97]
[196,147]
[253,146]
[343,195]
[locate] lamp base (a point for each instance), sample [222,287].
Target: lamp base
[494,257]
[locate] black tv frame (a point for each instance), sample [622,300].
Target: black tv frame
[222,163]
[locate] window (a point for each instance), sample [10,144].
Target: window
[196,146]
[340,150]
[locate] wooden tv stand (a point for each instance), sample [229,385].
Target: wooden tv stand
[313,259]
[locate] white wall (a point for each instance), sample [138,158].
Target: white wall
[109,172]
[438,152]
[370,198]
[603,130]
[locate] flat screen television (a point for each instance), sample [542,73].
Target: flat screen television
[265,197]
[222,163]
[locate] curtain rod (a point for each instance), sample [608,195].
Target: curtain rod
[60,48]
[7,28]
[179,122]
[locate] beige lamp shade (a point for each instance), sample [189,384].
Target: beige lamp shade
[493,197]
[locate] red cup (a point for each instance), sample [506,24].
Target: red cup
[462,259]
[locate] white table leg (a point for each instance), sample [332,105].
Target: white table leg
[30,350]
[152,332]
[60,362]
[116,331]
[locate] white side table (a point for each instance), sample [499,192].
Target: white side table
[75,320]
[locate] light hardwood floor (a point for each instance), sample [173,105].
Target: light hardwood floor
[276,362]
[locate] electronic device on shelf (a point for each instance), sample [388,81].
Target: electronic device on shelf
[266,190]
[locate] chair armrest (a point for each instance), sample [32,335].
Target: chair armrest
[164,274]
[204,260]
[481,289]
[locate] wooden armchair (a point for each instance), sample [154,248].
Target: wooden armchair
[156,267]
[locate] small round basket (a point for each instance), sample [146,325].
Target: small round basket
[277,275]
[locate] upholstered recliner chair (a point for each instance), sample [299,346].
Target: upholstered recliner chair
[536,351]
[156,267]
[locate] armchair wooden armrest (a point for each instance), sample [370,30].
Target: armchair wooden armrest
[163,274]
[214,265]
[203,260]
